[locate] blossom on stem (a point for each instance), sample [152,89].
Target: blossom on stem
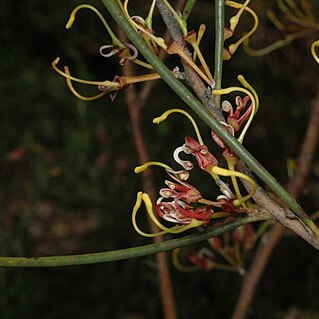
[231,247]
[233,123]
[143,197]
[175,201]
[203,259]
[234,120]
[245,235]
[206,160]
[182,203]
[228,53]
[124,53]
[118,82]
[203,157]
[179,209]
[139,24]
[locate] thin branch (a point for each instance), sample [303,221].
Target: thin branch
[148,86]
[219,41]
[188,8]
[122,254]
[270,240]
[191,76]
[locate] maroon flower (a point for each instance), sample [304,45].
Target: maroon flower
[203,156]
[235,119]
[179,209]
[203,259]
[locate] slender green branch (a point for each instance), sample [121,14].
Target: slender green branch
[219,41]
[121,254]
[205,114]
[188,9]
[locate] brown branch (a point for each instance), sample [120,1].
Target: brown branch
[271,239]
[194,81]
[148,86]
[134,105]
[279,212]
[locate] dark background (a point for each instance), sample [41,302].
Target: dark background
[67,181]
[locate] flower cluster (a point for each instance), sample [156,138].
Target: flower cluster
[293,19]
[234,20]
[144,27]
[180,202]
[226,252]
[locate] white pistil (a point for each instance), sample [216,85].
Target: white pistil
[224,188]
[170,184]
[166,192]
[107,46]
[185,164]
[227,107]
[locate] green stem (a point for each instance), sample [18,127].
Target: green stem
[182,23]
[205,114]
[121,254]
[219,41]
[188,9]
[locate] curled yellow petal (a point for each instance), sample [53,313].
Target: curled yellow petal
[164,116]
[197,52]
[233,47]
[313,50]
[71,20]
[235,19]
[216,170]
[77,94]
[231,167]
[178,265]
[103,83]
[158,40]
[253,97]
[143,197]
[137,205]
[248,86]
[142,168]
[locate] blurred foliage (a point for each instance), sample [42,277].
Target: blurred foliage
[67,181]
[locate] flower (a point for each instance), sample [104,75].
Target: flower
[234,20]
[182,203]
[245,235]
[234,123]
[203,259]
[125,52]
[179,209]
[200,151]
